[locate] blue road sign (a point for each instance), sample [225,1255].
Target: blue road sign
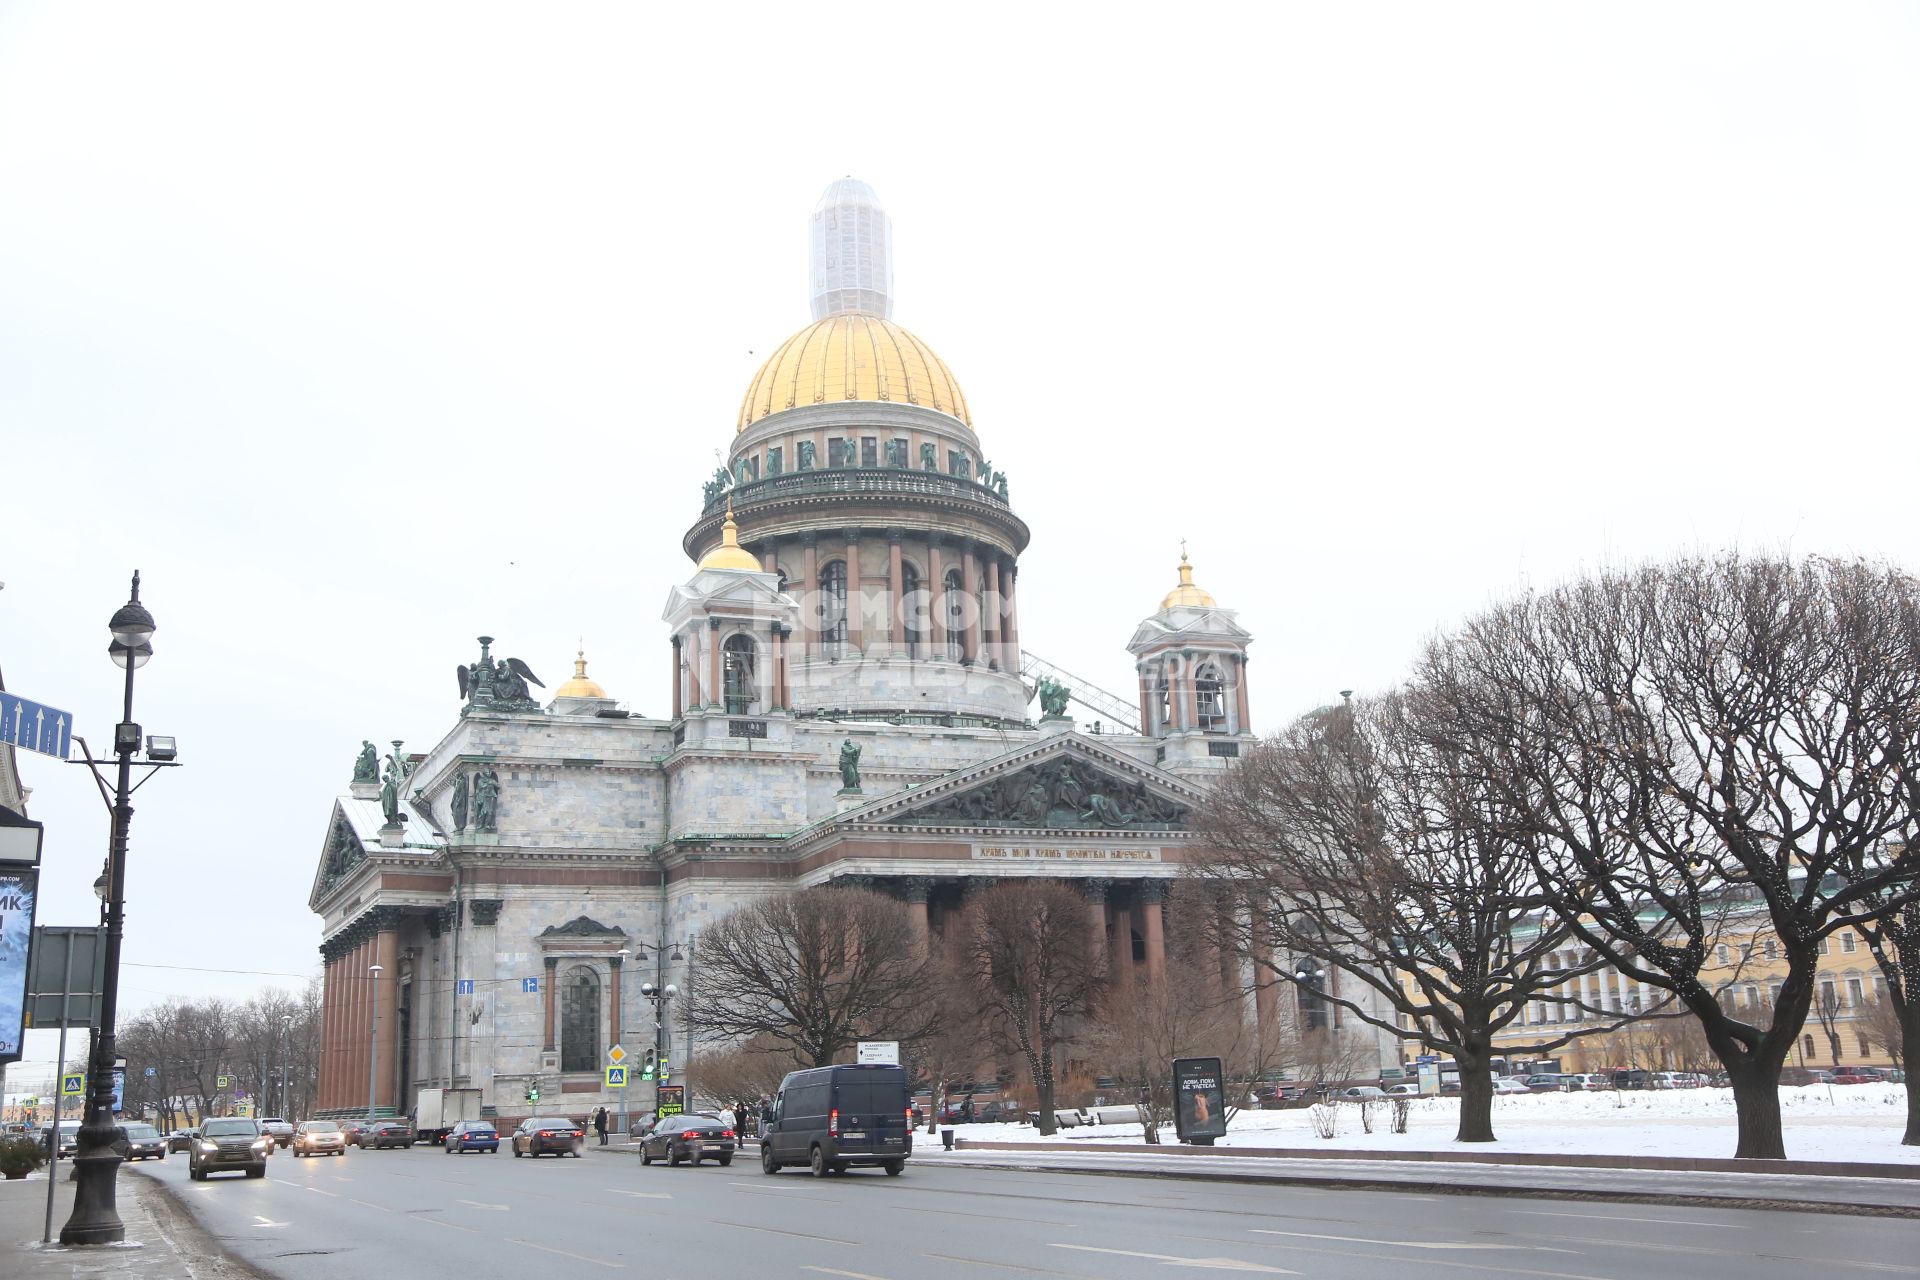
[616,1077]
[464,987]
[530,985]
[72,1084]
[34,726]
[152,1072]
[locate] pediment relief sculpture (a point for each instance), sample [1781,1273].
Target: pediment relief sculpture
[1064,793]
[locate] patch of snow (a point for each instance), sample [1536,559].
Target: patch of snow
[1853,1123]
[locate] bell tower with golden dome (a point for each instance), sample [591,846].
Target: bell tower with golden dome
[1191,656]
[856,479]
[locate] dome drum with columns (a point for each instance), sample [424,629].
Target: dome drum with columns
[845,703]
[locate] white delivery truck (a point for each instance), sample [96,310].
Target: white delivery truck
[438,1110]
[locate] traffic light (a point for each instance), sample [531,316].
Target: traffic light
[648,1062]
[533,1093]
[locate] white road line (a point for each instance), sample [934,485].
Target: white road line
[269,1222]
[1004,1266]
[1394,1244]
[1608,1218]
[1204,1264]
[371,1205]
[850,1275]
[497,1208]
[442,1222]
[638,1195]
[578,1257]
[321,1192]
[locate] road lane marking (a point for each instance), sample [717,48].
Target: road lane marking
[775,1231]
[322,1192]
[497,1208]
[1609,1218]
[850,1275]
[1482,1267]
[1395,1244]
[441,1222]
[638,1195]
[371,1205]
[577,1257]
[269,1222]
[990,1217]
[1168,1259]
[1004,1266]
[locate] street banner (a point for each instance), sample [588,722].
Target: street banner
[1199,1100]
[18,891]
[670,1100]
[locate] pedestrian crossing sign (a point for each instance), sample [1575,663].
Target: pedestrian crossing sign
[616,1077]
[72,1084]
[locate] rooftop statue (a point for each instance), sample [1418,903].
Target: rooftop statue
[849,765]
[459,802]
[367,767]
[1053,697]
[498,684]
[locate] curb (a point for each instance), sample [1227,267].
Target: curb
[199,1251]
[1520,1159]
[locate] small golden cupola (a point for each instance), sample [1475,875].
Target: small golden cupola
[580,686]
[730,554]
[1187,594]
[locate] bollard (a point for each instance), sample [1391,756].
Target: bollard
[946,1139]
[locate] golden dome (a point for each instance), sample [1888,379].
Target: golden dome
[852,356]
[580,686]
[1186,593]
[730,554]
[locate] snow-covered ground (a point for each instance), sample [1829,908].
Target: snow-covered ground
[1851,1122]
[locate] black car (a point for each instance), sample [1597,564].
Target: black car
[354,1131]
[693,1138]
[145,1143]
[388,1133]
[832,1118]
[548,1135]
[182,1139]
[230,1142]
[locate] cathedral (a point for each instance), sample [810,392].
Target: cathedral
[850,704]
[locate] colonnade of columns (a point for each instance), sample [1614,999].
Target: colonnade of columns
[348,1014]
[1600,989]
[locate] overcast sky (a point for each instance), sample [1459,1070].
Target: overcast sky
[365,329]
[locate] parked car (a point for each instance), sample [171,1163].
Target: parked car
[388,1133]
[145,1143]
[1362,1092]
[279,1130]
[230,1142]
[319,1138]
[1633,1078]
[1403,1091]
[1720,1080]
[1545,1082]
[832,1118]
[183,1139]
[473,1135]
[1857,1075]
[642,1126]
[693,1139]
[1507,1084]
[353,1131]
[548,1135]
[1590,1081]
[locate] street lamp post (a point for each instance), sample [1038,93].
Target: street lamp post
[373,1038]
[96,1162]
[286,1034]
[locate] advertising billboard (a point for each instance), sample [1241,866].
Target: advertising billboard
[1199,1100]
[671,1101]
[18,889]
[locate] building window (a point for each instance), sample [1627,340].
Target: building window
[869,451]
[833,607]
[1770,949]
[1847,943]
[1163,698]
[580,1021]
[775,461]
[838,455]
[1721,953]
[1856,996]
[1860,1038]
[911,618]
[1822,948]
[1210,700]
[1753,997]
[737,665]
[954,622]
[1808,1045]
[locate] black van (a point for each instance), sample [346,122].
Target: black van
[831,1118]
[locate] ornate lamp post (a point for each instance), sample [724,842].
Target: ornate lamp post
[286,1035]
[96,1162]
[373,1039]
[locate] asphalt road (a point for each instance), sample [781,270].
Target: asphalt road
[423,1213]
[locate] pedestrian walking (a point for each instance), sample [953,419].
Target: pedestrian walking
[600,1124]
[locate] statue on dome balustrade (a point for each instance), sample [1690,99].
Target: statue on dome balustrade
[805,452]
[928,459]
[849,765]
[366,768]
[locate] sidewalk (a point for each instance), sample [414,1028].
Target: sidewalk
[160,1239]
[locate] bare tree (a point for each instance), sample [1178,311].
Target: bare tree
[1886,1030]
[1029,954]
[741,1075]
[1146,1025]
[1375,861]
[1894,940]
[952,1045]
[1830,1010]
[817,970]
[1677,742]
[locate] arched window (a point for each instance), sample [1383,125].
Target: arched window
[833,607]
[1163,698]
[737,665]
[909,606]
[1210,699]
[954,621]
[580,1020]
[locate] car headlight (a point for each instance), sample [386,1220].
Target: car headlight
[210,1147]
[264,1142]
